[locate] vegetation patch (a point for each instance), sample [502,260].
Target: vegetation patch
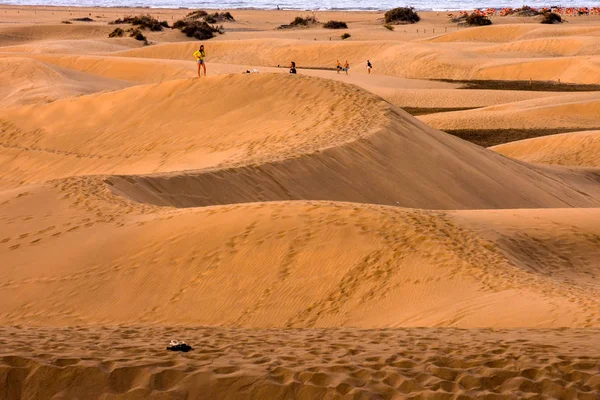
[551,18]
[401,15]
[197,29]
[335,25]
[144,22]
[211,18]
[138,35]
[118,32]
[300,22]
[524,11]
[84,19]
[475,19]
[388,27]
[345,36]
[66,22]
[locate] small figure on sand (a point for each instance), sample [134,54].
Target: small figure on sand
[338,66]
[346,67]
[200,55]
[369,67]
[293,68]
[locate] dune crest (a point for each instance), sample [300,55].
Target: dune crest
[578,149]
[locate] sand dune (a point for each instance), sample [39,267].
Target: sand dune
[264,264]
[565,111]
[579,149]
[30,81]
[74,46]
[420,60]
[515,33]
[332,133]
[296,230]
[426,363]
[562,46]
[23,33]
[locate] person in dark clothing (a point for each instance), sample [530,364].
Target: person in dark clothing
[293,68]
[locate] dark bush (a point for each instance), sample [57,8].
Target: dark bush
[66,22]
[335,25]
[345,36]
[138,35]
[84,19]
[118,32]
[401,15]
[303,21]
[197,29]
[197,14]
[164,24]
[551,18]
[388,27]
[477,20]
[525,11]
[143,21]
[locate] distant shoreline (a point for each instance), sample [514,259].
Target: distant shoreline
[361,10]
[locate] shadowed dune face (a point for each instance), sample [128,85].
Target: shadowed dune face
[186,124]
[580,149]
[321,140]
[289,264]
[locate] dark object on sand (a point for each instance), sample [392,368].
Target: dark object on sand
[401,15]
[179,346]
[335,25]
[551,18]
[475,19]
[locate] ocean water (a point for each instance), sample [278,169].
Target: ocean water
[351,5]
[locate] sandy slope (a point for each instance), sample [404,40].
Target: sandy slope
[290,264]
[427,363]
[29,81]
[420,60]
[291,192]
[576,149]
[334,142]
[568,111]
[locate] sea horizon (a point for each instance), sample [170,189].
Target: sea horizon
[304,5]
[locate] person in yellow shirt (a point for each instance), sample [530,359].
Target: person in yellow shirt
[200,55]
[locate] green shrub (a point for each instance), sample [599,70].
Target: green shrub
[66,22]
[551,18]
[388,27]
[84,19]
[164,24]
[118,32]
[345,36]
[335,25]
[401,15]
[477,20]
[143,21]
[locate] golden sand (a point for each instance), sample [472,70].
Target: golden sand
[308,237]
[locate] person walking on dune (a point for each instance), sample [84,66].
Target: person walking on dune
[293,68]
[200,55]
[338,66]
[346,67]
[369,67]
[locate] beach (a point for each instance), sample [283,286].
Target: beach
[430,229]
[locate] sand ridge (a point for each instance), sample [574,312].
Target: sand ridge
[575,149]
[308,237]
